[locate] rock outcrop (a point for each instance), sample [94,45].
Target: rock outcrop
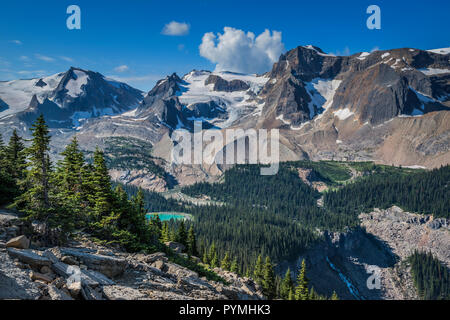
[84,270]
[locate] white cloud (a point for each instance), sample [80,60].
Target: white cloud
[121,68]
[44,58]
[18,42]
[24,58]
[237,51]
[176,29]
[68,59]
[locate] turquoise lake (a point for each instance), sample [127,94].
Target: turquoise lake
[167,216]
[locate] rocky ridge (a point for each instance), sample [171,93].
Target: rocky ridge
[87,271]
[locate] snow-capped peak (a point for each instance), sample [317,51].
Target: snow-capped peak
[440,51]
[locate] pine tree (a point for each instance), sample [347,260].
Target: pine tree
[101,184]
[268,284]
[334,296]
[205,258]
[226,262]
[212,252]
[291,295]
[301,290]
[8,185]
[181,234]
[165,237]
[214,261]
[69,182]
[287,285]
[234,266]
[258,272]
[36,198]
[16,157]
[192,242]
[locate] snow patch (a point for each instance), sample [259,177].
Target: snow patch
[321,92]
[433,71]
[440,51]
[343,114]
[363,55]
[194,90]
[74,85]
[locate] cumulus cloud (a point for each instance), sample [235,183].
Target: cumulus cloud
[121,68]
[235,50]
[176,29]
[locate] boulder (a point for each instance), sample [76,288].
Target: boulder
[117,292]
[89,293]
[57,294]
[109,266]
[74,288]
[41,277]
[29,257]
[46,270]
[175,246]
[20,242]
[69,260]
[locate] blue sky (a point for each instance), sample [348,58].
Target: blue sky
[35,41]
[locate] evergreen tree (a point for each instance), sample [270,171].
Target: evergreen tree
[16,157]
[192,242]
[8,185]
[291,295]
[334,296]
[101,184]
[214,260]
[234,266]
[69,181]
[36,199]
[181,236]
[287,285]
[165,236]
[258,273]
[226,262]
[268,284]
[301,290]
[205,258]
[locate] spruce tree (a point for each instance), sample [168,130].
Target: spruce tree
[226,262]
[16,157]
[334,296]
[192,242]
[258,273]
[36,199]
[8,185]
[234,266]
[101,184]
[301,290]
[269,288]
[215,261]
[181,234]
[287,285]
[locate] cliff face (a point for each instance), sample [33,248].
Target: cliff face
[84,270]
[347,262]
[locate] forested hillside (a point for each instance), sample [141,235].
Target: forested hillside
[431,278]
[425,192]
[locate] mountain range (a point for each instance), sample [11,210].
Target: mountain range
[389,106]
